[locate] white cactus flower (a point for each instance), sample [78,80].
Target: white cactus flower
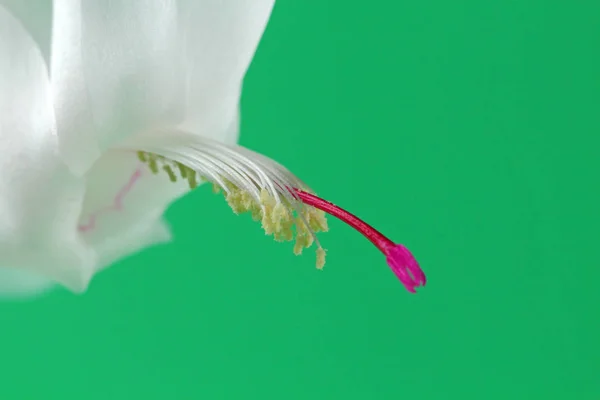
[112,109]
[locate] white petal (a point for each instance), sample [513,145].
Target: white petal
[122,197]
[221,38]
[121,68]
[17,283]
[123,193]
[114,63]
[78,143]
[124,203]
[36,17]
[40,201]
[149,232]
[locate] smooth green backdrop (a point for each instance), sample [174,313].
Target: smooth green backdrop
[467,130]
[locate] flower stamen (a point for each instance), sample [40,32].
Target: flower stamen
[252,183]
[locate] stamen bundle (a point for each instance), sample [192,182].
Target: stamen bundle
[256,186]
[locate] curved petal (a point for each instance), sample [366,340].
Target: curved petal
[78,144]
[124,204]
[121,68]
[40,201]
[17,283]
[44,209]
[221,38]
[147,233]
[123,193]
[115,69]
[36,17]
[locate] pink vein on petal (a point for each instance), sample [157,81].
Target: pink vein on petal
[117,204]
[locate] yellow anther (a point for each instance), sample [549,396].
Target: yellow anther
[169,171]
[302,242]
[234,201]
[317,221]
[247,200]
[320,258]
[152,163]
[256,212]
[183,170]
[279,215]
[286,232]
[191,178]
[268,203]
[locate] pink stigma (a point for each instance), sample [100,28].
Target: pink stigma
[398,257]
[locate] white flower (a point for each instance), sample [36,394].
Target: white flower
[111,110]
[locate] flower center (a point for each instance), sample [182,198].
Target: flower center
[253,183]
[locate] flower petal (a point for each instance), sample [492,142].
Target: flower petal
[123,193]
[41,200]
[221,38]
[147,233]
[36,18]
[121,68]
[116,73]
[17,283]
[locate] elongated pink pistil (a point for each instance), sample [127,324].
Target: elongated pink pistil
[398,257]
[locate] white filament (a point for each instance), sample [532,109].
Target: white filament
[217,162]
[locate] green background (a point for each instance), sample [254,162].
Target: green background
[467,130]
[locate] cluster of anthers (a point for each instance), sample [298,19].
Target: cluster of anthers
[255,184]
